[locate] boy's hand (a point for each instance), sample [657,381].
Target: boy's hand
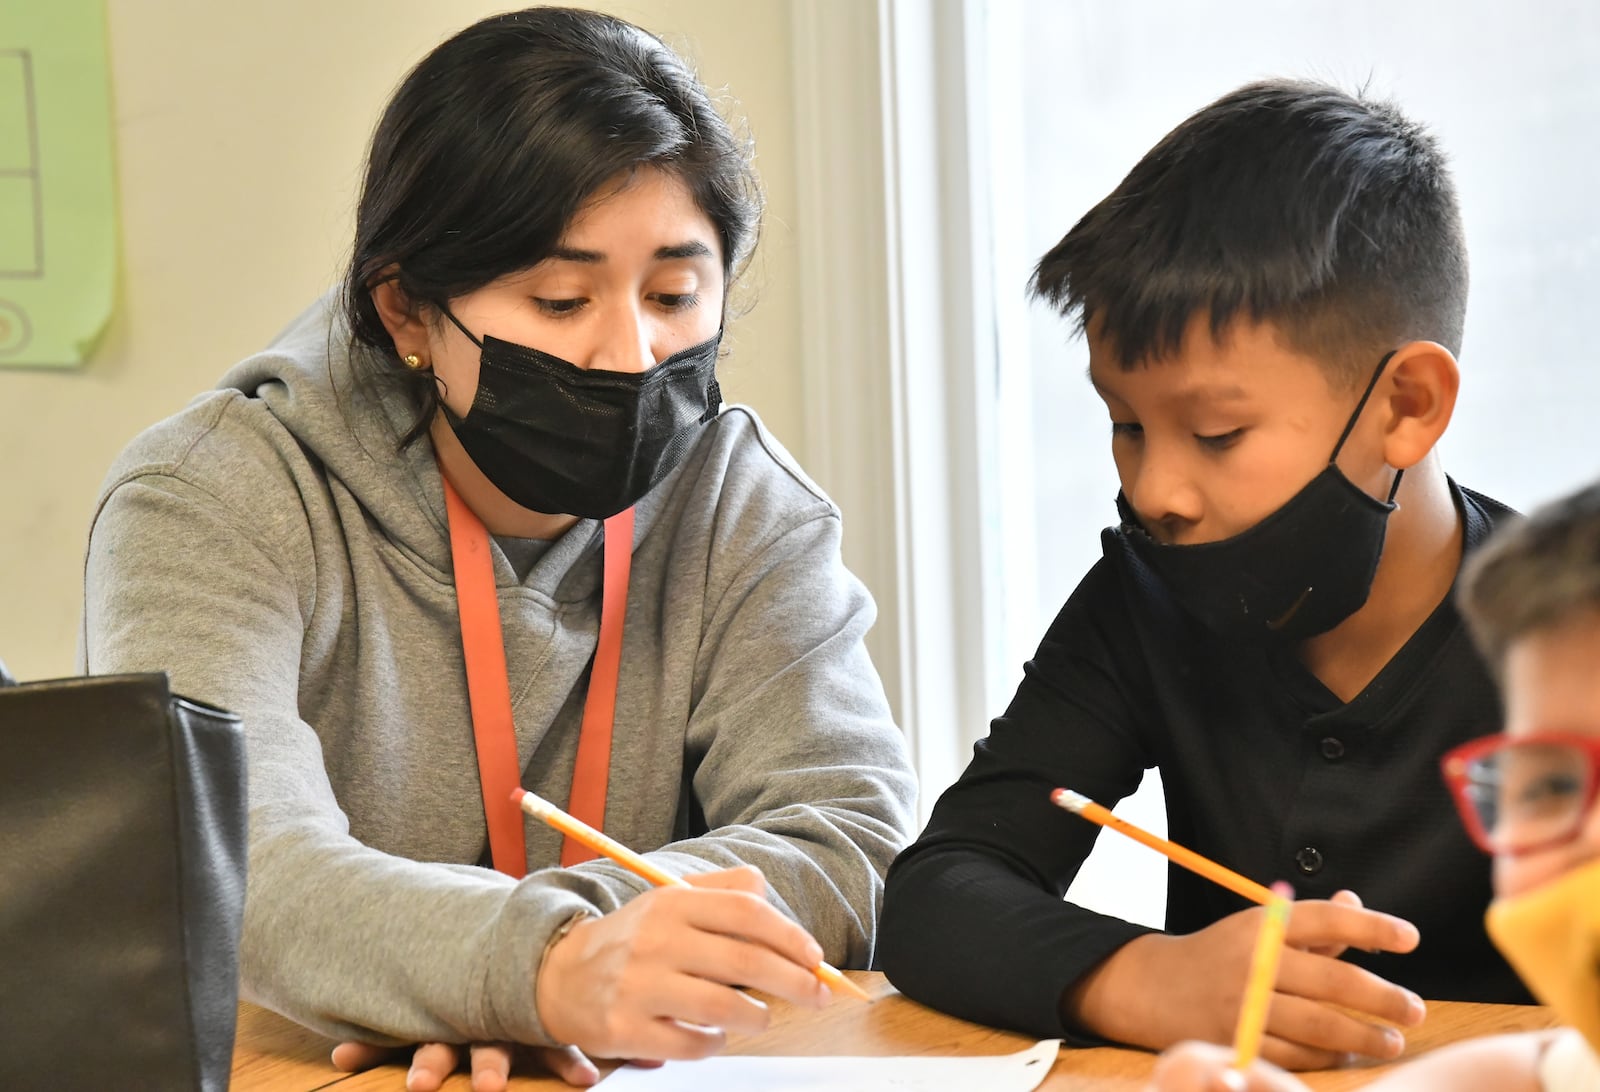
[1158,989]
[1206,1067]
[658,979]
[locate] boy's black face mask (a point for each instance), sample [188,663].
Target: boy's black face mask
[1299,572]
[565,440]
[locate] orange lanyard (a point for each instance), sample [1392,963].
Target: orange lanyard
[489,686]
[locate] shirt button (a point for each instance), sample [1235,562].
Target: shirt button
[1310,860]
[1332,749]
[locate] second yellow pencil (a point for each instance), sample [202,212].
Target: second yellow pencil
[1263,976]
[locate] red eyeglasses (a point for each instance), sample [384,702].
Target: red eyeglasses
[1518,795]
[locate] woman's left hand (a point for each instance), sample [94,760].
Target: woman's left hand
[491,1063]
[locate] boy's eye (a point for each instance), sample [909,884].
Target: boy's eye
[1222,440]
[1126,430]
[559,307]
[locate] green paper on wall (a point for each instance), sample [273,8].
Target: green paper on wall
[58,228]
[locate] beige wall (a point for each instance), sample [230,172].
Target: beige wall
[240,130]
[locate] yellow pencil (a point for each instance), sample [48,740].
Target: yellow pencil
[1263,976]
[1188,858]
[540,808]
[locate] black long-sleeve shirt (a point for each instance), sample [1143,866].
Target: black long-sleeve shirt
[1264,770]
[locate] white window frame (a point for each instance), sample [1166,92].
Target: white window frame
[899,342]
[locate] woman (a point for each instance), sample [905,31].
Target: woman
[524,348]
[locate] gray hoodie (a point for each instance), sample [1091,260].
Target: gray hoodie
[269,549]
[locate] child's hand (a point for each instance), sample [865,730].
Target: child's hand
[1158,989]
[1205,1067]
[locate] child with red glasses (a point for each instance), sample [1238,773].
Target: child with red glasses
[1531,597]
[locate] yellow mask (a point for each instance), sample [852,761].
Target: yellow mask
[1551,935]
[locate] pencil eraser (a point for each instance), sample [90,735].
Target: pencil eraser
[517,794]
[1066,798]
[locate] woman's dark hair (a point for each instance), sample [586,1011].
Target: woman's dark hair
[494,141]
[1330,215]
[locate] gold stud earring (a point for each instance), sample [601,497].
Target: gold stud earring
[413,361]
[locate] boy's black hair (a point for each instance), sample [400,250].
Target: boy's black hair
[1534,574]
[1331,216]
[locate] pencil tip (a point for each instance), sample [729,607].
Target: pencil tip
[854,988]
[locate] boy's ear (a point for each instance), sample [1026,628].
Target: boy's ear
[401,316]
[1421,382]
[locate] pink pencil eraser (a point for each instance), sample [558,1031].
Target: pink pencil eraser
[517,794]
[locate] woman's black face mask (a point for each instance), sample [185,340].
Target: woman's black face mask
[565,440]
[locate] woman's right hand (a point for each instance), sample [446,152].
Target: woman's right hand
[658,979]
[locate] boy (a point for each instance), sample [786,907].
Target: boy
[1532,599]
[1273,300]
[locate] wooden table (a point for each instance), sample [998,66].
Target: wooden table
[272,1054]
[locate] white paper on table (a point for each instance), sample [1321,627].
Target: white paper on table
[1020,1072]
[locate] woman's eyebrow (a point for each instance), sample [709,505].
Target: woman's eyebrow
[676,252]
[573,254]
[692,249]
